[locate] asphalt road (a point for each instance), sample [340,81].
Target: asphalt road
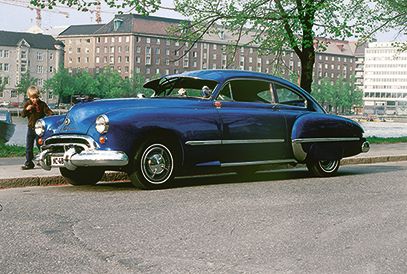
[278,222]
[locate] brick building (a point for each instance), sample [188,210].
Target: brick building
[140,44]
[20,52]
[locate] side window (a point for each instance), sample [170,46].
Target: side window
[244,90]
[225,94]
[286,96]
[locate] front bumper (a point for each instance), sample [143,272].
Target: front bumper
[73,151]
[90,158]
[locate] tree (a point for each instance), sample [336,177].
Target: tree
[61,84]
[25,81]
[340,96]
[393,14]
[85,84]
[109,84]
[134,86]
[2,84]
[274,26]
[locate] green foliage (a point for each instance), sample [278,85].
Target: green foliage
[106,84]
[2,85]
[25,81]
[61,84]
[392,14]
[340,96]
[13,150]
[390,140]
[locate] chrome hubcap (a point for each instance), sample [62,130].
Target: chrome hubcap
[157,164]
[328,165]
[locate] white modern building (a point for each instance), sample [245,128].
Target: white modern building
[385,79]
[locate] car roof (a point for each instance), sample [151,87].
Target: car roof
[220,76]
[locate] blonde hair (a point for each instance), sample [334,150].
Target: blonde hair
[33,91]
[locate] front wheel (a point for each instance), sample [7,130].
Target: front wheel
[323,168]
[153,166]
[82,175]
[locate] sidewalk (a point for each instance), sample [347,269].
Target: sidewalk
[11,174]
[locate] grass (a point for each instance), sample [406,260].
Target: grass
[13,151]
[19,151]
[390,140]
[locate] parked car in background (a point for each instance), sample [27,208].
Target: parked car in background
[5,104]
[7,127]
[198,121]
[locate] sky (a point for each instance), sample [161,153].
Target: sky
[17,18]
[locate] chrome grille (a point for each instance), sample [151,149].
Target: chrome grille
[61,143]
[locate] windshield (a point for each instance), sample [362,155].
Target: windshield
[185,87]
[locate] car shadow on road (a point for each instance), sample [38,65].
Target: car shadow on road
[263,176]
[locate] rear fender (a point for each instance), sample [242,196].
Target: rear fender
[325,137]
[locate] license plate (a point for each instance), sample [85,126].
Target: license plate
[57,161]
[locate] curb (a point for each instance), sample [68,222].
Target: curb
[121,176]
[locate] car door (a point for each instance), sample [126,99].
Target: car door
[254,131]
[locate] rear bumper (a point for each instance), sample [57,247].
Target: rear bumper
[86,158]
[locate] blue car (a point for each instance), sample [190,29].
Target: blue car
[198,122]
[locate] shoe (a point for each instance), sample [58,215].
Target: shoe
[26,167]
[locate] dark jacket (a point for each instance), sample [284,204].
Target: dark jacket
[35,113]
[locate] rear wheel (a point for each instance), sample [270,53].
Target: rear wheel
[323,168]
[154,164]
[82,175]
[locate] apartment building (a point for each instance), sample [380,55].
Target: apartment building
[20,52]
[385,79]
[140,44]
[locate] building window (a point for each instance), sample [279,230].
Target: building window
[40,69]
[126,69]
[6,67]
[157,51]
[157,61]
[168,42]
[39,56]
[97,39]
[111,49]
[97,59]
[40,82]
[147,70]
[78,50]
[138,70]
[13,93]
[112,40]
[79,59]
[23,54]
[148,50]
[97,50]
[158,41]
[138,59]
[119,59]
[148,60]
[167,52]
[148,40]
[128,39]
[51,69]
[157,71]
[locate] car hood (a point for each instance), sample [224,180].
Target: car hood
[82,116]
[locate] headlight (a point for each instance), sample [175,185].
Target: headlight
[40,127]
[102,124]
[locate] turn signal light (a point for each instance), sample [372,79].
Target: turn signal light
[102,139]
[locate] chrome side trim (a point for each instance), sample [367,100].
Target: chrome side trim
[299,153]
[252,141]
[203,143]
[233,142]
[288,161]
[318,140]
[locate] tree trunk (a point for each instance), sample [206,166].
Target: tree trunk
[307,67]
